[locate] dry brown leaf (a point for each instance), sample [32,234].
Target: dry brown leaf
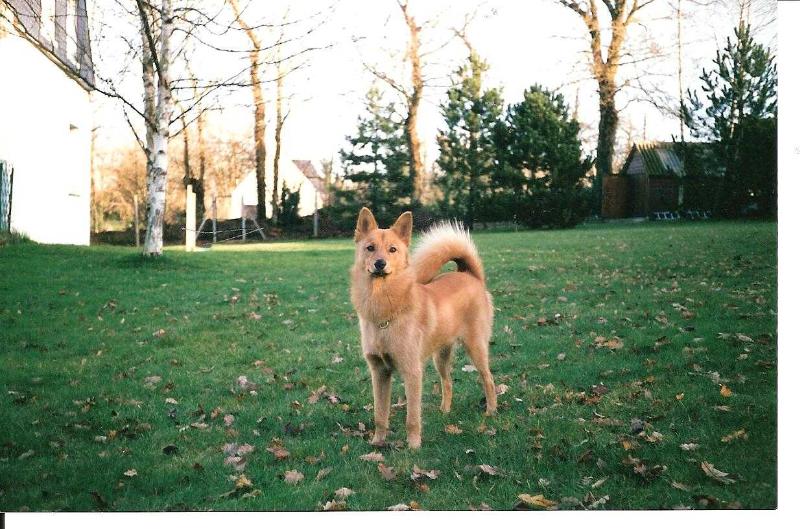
[716,474]
[375,457]
[738,434]
[488,469]
[322,473]
[725,391]
[293,477]
[334,505]
[418,473]
[453,429]
[388,473]
[343,493]
[537,501]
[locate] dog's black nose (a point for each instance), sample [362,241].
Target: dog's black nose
[380,264]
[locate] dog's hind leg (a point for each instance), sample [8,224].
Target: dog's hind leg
[477,347]
[444,363]
[382,395]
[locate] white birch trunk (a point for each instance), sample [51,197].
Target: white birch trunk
[157,170]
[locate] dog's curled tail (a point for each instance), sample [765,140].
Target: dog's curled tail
[444,242]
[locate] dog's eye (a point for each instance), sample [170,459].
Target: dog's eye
[371,248]
[392,249]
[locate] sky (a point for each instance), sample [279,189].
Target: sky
[525,42]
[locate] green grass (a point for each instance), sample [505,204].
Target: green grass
[80,332]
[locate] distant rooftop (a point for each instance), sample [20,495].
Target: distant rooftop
[60,29]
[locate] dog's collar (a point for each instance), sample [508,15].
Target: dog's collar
[383,324]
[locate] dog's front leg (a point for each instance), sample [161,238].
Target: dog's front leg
[412,379]
[382,395]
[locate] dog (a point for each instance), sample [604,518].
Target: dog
[408,313]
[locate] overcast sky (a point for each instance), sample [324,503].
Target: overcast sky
[525,42]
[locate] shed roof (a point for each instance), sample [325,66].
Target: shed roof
[662,158]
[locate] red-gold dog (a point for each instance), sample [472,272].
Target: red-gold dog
[407,312]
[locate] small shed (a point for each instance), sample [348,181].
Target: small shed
[652,179]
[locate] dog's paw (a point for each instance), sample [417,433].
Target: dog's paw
[414,442]
[378,440]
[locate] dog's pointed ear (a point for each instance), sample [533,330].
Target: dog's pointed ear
[365,223]
[402,227]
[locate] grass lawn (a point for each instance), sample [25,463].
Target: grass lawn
[629,356]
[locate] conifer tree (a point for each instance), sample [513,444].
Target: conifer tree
[466,147]
[377,161]
[737,95]
[540,165]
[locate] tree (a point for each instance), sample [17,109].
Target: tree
[738,100]
[411,93]
[466,144]
[158,107]
[259,112]
[540,165]
[604,69]
[377,160]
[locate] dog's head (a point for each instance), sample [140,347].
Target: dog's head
[381,252]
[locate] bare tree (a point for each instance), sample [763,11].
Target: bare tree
[157,27]
[605,65]
[259,113]
[411,92]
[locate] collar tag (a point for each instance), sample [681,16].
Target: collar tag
[383,324]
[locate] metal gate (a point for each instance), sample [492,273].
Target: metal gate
[6,183]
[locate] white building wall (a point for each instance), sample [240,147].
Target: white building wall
[290,174]
[45,132]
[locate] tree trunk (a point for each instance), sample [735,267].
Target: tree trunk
[157,177]
[606,138]
[278,131]
[259,127]
[416,167]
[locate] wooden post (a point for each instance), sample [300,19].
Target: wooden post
[214,217]
[191,219]
[136,218]
[244,235]
[316,213]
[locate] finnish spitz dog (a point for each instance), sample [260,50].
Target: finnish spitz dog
[408,312]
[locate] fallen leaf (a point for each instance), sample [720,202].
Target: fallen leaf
[488,469]
[716,474]
[334,505]
[243,482]
[452,429]
[372,456]
[343,493]
[322,473]
[469,368]
[228,419]
[418,473]
[131,473]
[501,389]
[725,391]
[316,394]
[388,473]
[689,447]
[738,434]
[537,501]
[293,477]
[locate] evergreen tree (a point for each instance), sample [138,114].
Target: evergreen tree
[466,148]
[540,165]
[377,161]
[737,94]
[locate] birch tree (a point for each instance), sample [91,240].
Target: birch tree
[157,26]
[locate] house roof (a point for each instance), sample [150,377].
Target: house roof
[663,158]
[309,171]
[62,36]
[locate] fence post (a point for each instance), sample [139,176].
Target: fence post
[191,218]
[244,235]
[214,217]
[136,218]
[316,213]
